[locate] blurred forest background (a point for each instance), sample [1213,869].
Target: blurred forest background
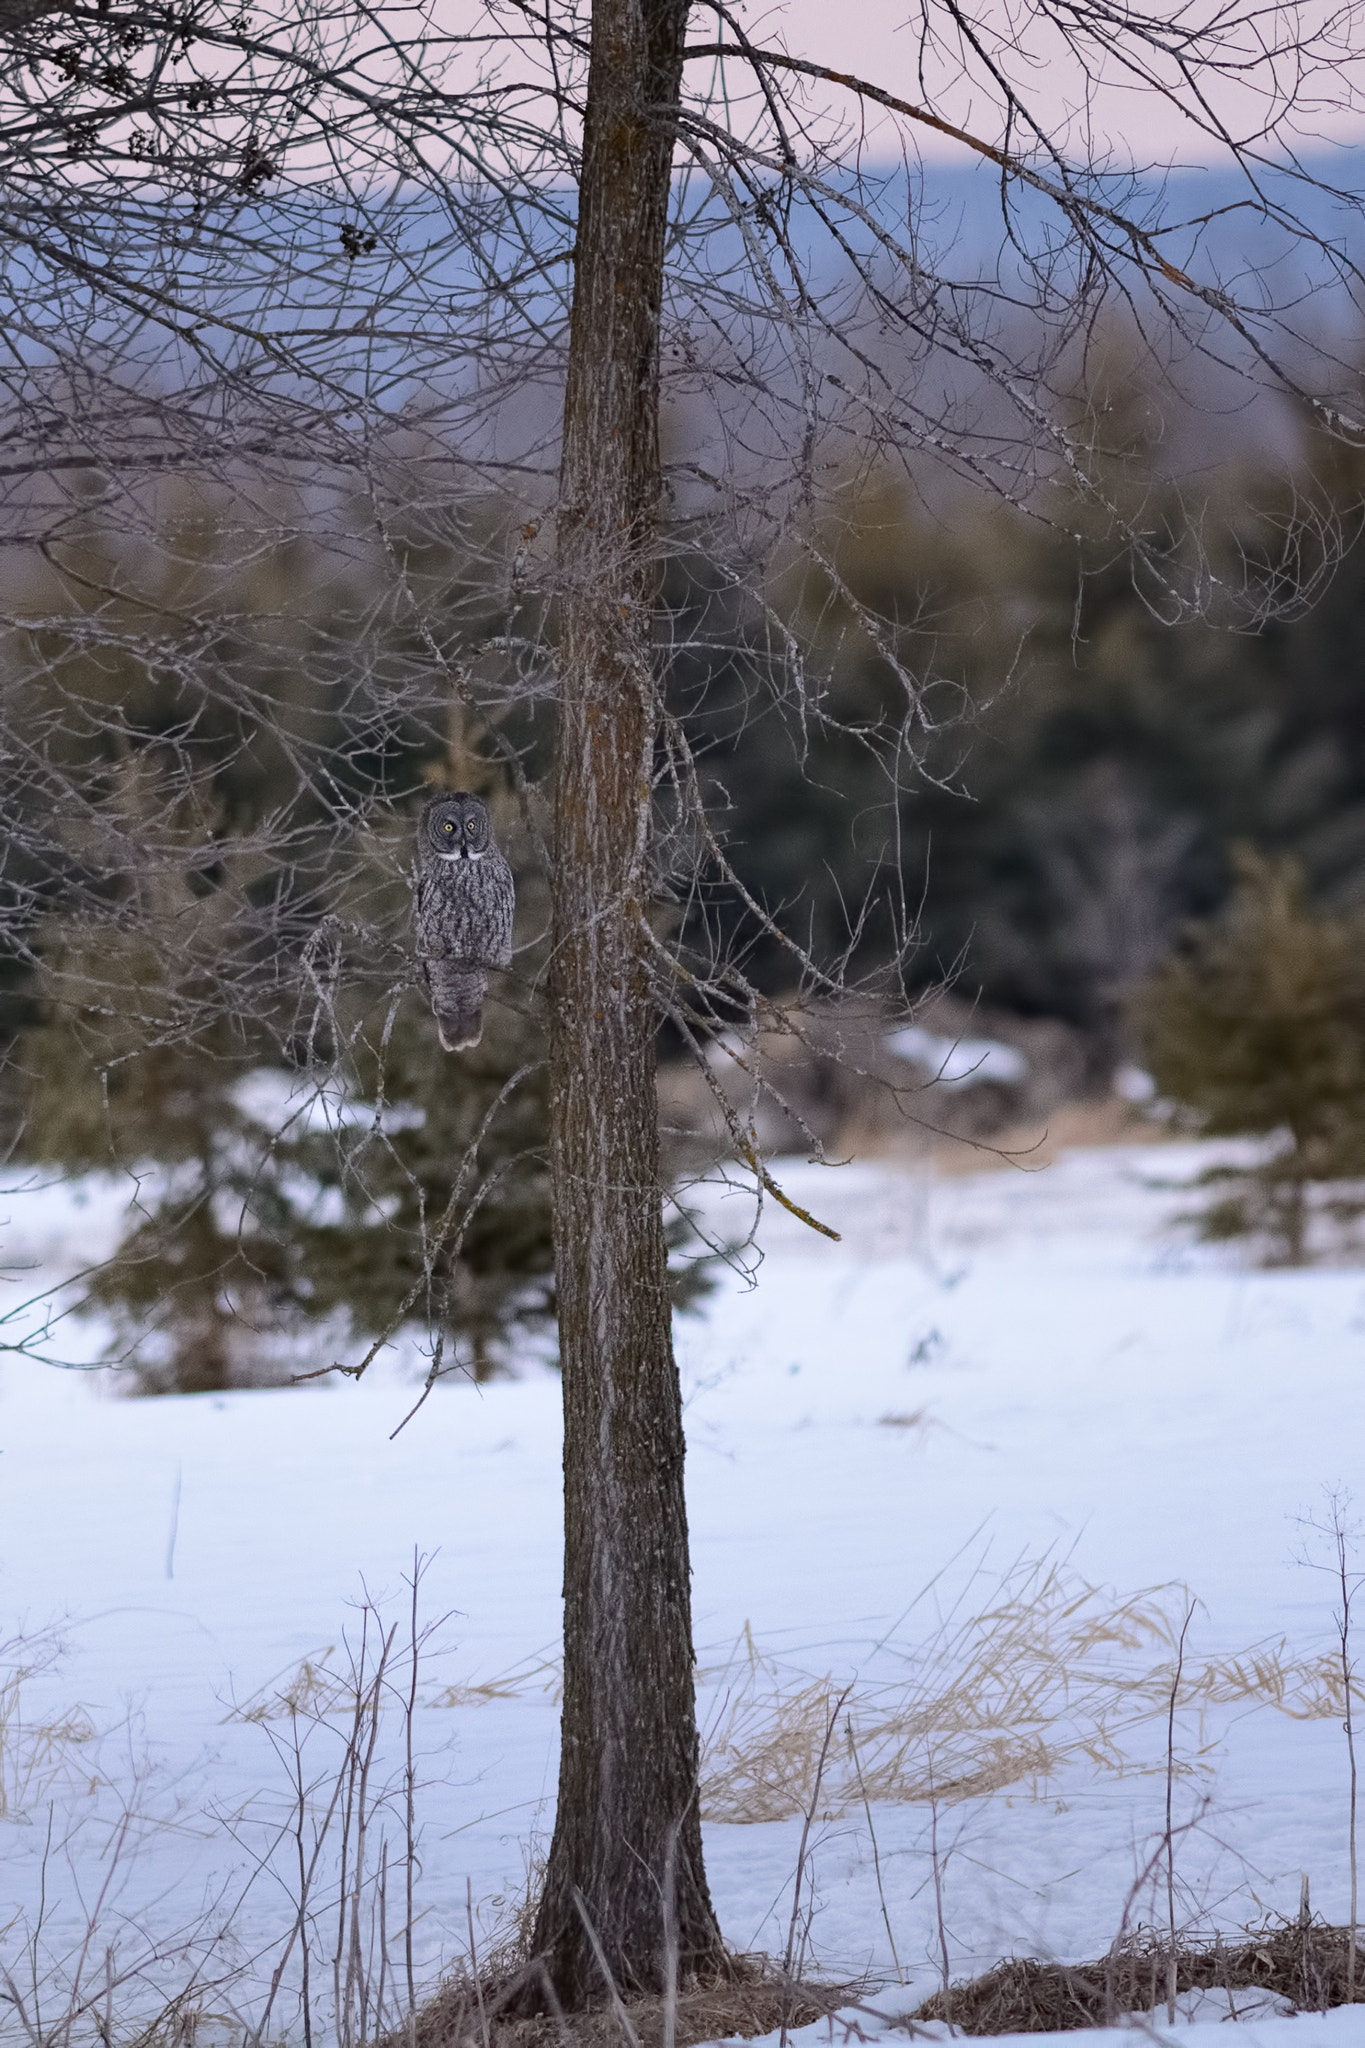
[1090,777]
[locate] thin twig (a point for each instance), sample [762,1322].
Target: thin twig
[1176,1677]
[617,2004]
[792,1959]
[876,1854]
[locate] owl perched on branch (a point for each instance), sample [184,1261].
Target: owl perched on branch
[464,901]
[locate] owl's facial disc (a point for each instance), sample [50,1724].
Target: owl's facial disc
[456,836]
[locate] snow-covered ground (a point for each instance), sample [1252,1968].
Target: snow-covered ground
[944,1462]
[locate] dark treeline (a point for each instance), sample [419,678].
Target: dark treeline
[1089,770]
[245,731]
[1074,792]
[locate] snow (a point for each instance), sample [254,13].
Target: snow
[883,2019]
[1134,1084]
[958,1062]
[1014,1393]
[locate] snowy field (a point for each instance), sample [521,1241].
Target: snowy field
[964,1463]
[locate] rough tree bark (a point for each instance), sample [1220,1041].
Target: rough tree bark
[627,1822]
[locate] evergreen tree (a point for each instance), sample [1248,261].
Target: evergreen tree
[1257,1028]
[468,1253]
[135,1069]
[430,1192]
[260,1210]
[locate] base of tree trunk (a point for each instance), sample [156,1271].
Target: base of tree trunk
[510,2009]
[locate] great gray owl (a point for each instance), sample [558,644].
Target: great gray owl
[465,895]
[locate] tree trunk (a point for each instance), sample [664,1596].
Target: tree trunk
[627,1827]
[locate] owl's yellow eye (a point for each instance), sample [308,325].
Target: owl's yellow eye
[447,827]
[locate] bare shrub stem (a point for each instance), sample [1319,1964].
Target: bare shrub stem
[1339,1532]
[613,1993]
[1176,1677]
[876,1853]
[791,1962]
[473,1965]
[670,1910]
[939,1920]
[410,1797]
[1348,1584]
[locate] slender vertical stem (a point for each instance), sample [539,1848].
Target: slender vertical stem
[347,1781]
[670,1912]
[474,1961]
[938,1905]
[876,1854]
[1347,1681]
[359,1976]
[300,1815]
[618,2007]
[791,1964]
[1176,1677]
[410,1802]
[175,1521]
[383,1937]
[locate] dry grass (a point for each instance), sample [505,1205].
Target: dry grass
[39,1758]
[753,2000]
[1027,1672]
[1001,1698]
[322,1685]
[1053,1671]
[1302,1962]
[1031,1671]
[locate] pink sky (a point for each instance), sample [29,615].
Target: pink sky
[1299,65]
[880,40]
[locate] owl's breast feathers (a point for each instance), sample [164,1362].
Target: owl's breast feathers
[464,911]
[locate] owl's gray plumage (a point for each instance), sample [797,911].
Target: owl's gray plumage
[465,897]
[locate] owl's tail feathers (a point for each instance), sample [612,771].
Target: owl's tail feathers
[458,1002]
[460,1030]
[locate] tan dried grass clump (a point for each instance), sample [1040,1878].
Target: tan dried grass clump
[752,1999]
[1043,1674]
[1303,1962]
[1051,1671]
[38,1757]
[322,1685]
